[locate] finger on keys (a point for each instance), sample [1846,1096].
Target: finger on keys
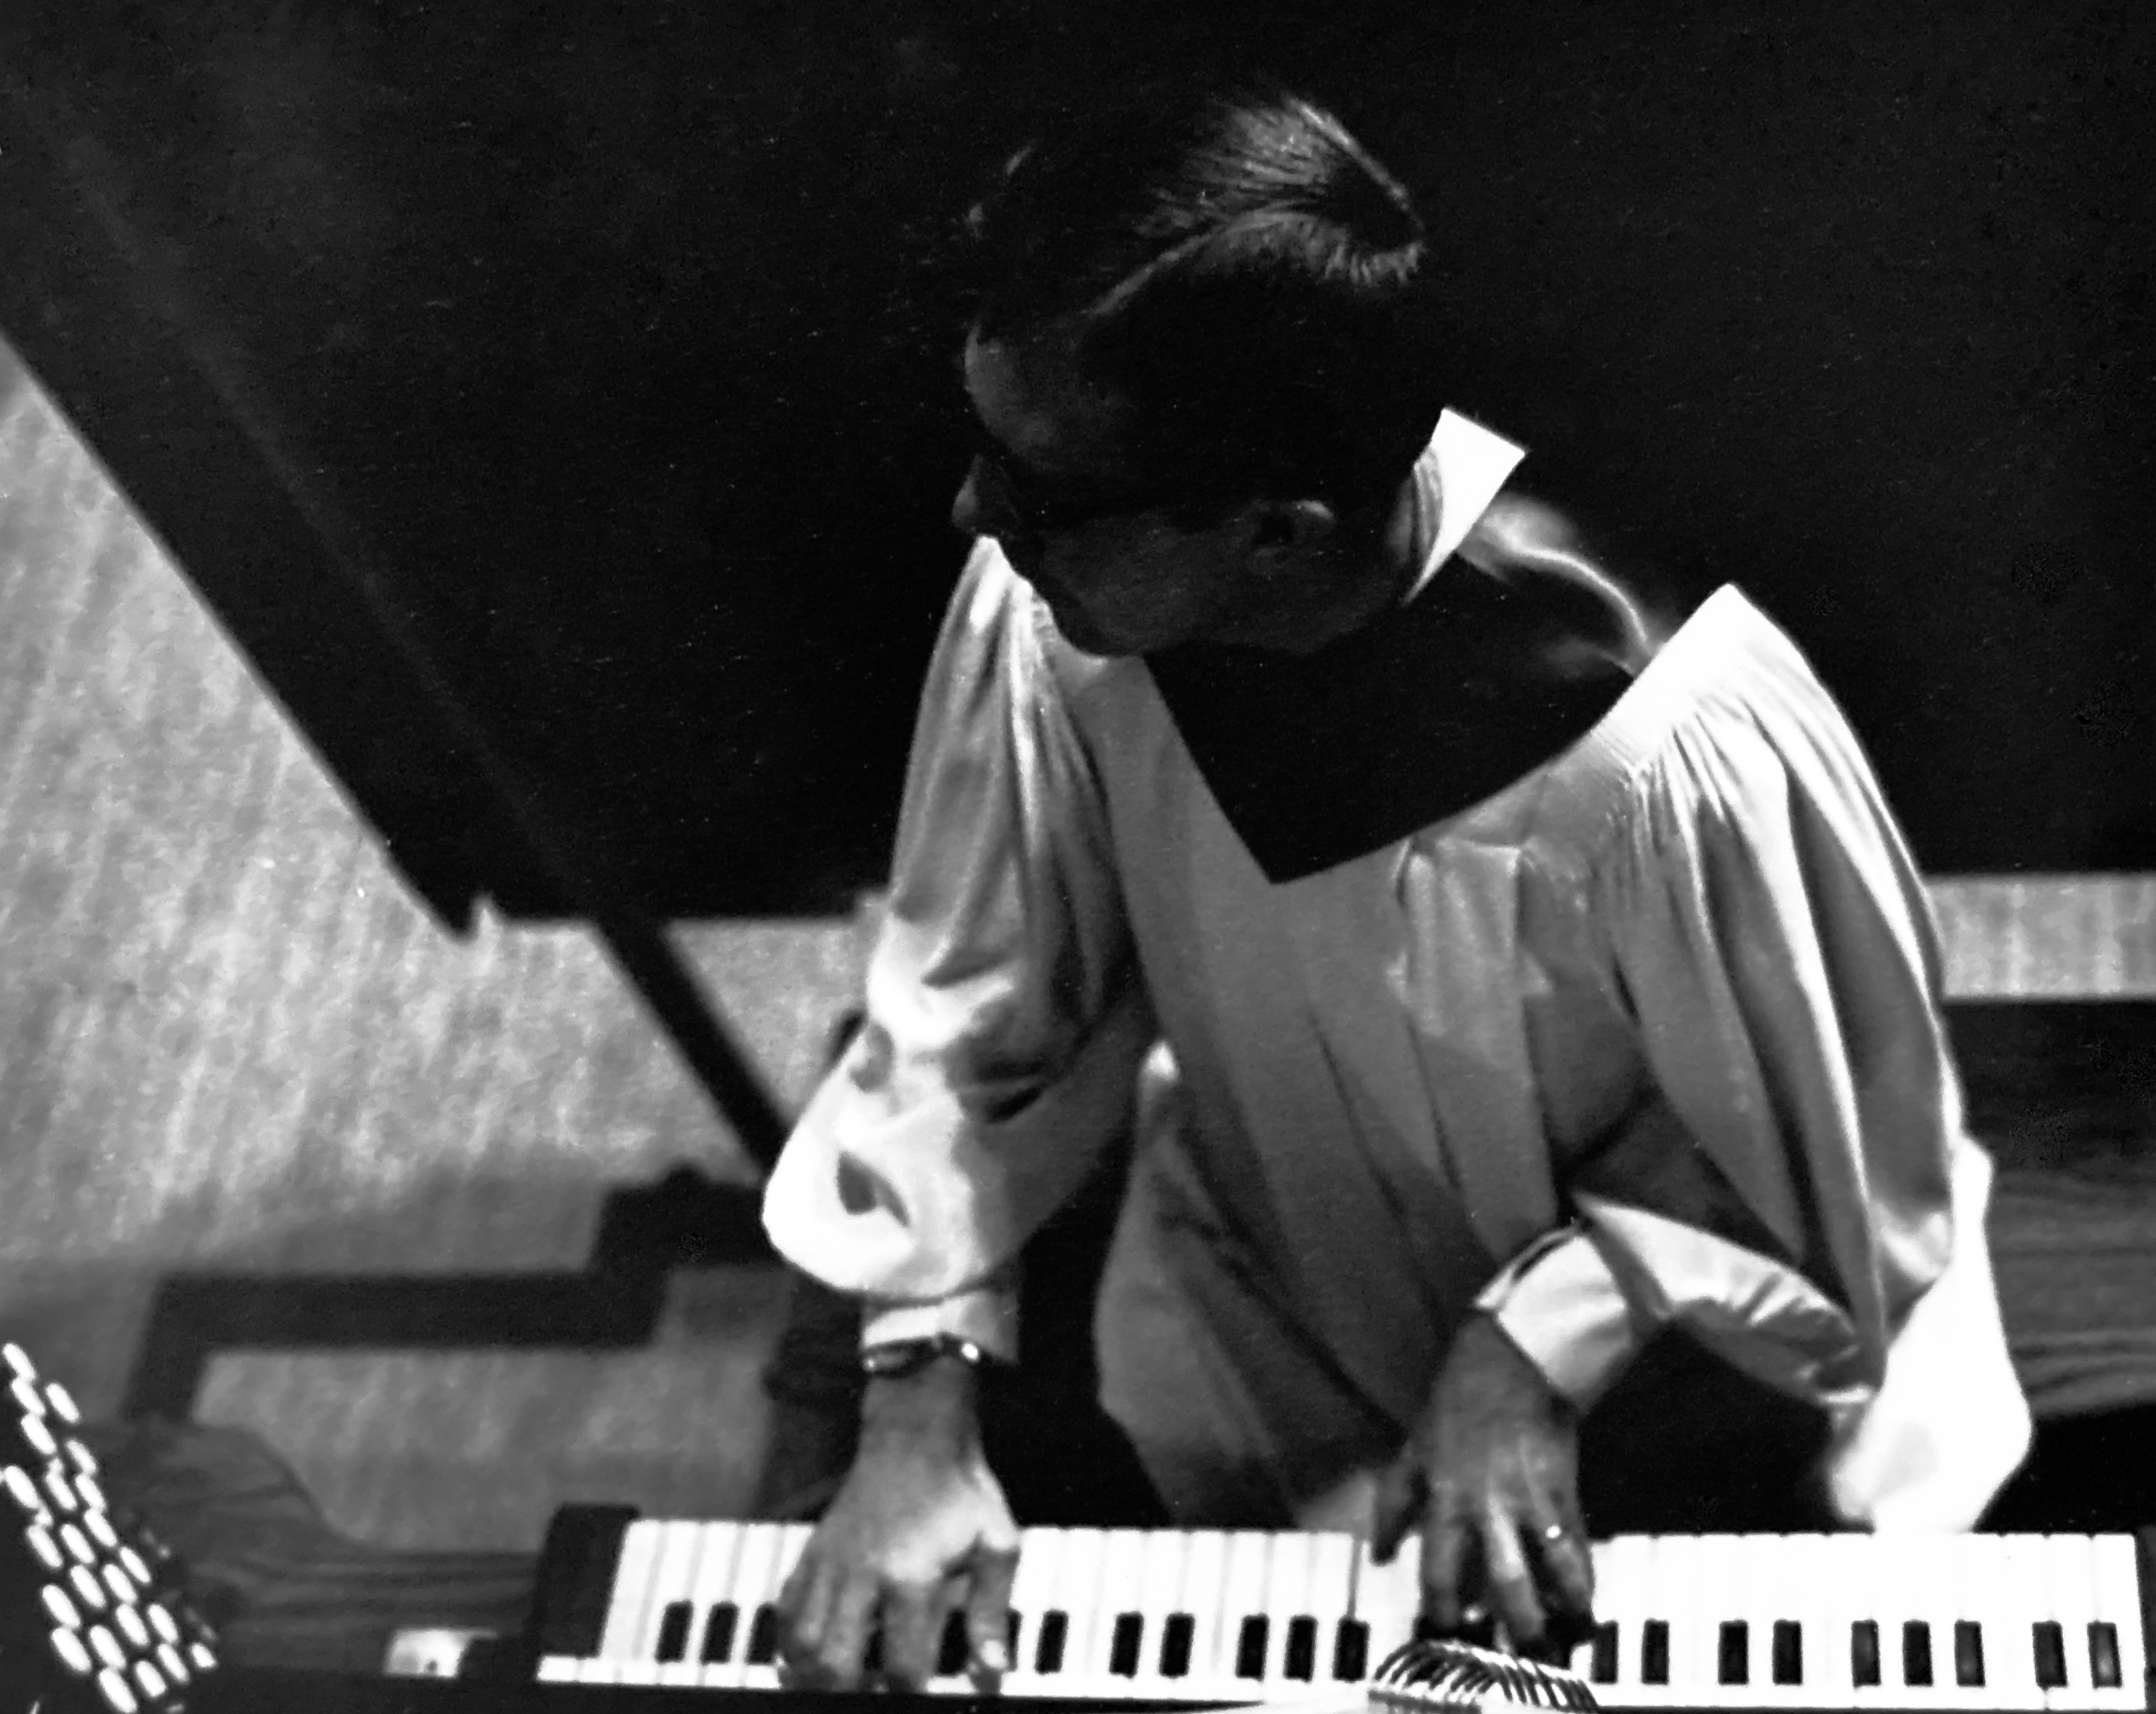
[799,1596]
[1560,1549]
[988,1613]
[849,1620]
[1401,1492]
[1510,1580]
[791,1608]
[808,1606]
[1447,1560]
[913,1610]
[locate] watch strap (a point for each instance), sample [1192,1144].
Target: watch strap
[894,1359]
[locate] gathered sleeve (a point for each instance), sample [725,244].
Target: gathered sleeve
[1781,1181]
[1005,1023]
[1785,1187]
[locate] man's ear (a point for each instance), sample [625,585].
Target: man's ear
[1286,531]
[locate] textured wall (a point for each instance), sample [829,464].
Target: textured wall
[226,1034]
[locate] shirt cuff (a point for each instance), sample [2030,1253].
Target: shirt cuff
[1560,1304]
[987,1314]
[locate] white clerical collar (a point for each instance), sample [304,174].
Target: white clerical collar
[1459,473]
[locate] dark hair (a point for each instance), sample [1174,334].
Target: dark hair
[1245,275]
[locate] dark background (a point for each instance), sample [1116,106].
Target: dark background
[557,401]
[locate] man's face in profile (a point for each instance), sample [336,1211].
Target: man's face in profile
[1120,575]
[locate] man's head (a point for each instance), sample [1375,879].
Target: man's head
[1202,367]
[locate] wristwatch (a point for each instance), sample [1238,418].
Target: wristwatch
[894,1359]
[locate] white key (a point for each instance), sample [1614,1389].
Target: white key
[788,1540]
[757,1578]
[673,1568]
[1122,1560]
[1980,1577]
[1674,1606]
[634,1571]
[1941,1605]
[1994,1592]
[1122,1565]
[747,1585]
[1772,1591]
[1389,1597]
[1842,1564]
[2073,1602]
[2038,1601]
[1719,1596]
[1033,1593]
[2117,1583]
[1842,1598]
[1204,1591]
[1878,1578]
[2026,1576]
[1159,1598]
[1332,1589]
[1724,1595]
[1947,1604]
[1622,1567]
[1906,1572]
[718,1548]
[1243,1598]
[1816,1595]
[1077,1596]
[1287,1583]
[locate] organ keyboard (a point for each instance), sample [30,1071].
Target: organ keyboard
[1812,1622]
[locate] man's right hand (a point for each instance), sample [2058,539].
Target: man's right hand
[919,1528]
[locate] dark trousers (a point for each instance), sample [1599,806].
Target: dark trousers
[1685,1445]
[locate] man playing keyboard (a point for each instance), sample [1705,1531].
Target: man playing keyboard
[1503,984]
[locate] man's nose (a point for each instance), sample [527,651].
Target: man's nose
[965,508]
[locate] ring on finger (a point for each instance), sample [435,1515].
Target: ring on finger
[1553,1533]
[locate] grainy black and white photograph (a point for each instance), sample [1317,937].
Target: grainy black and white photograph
[1077,854]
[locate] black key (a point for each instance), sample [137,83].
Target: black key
[1302,1650]
[872,1655]
[1968,1652]
[1124,1644]
[1603,1669]
[1251,1647]
[719,1633]
[1735,1653]
[1916,1653]
[1789,1666]
[763,1636]
[2051,1645]
[1864,1652]
[1655,1652]
[1175,1640]
[1048,1651]
[951,1652]
[2103,1654]
[674,1631]
[1012,1627]
[1350,1651]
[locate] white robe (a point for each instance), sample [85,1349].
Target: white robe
[1650,1035]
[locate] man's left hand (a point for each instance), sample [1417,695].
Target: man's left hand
[1493,1473]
